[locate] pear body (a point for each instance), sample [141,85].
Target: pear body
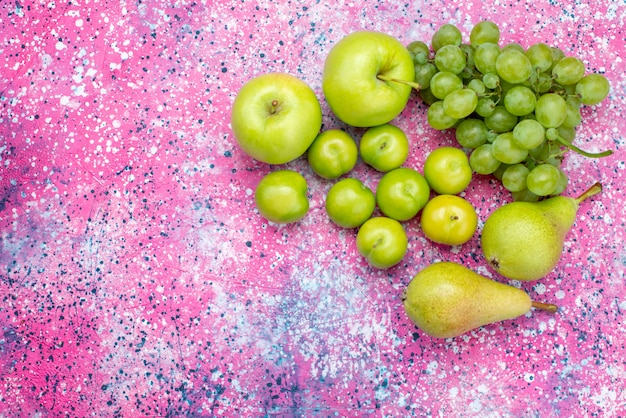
[447,299]
[524,240]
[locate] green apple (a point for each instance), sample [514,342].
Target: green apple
[332,154]
[384,147]
[382,241]
[281,196]
[367,78]
[447,170]
[275,117]
[401,193]
[349,203]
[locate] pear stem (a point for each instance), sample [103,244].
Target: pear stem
[547,307]
[593,190]
[412,84]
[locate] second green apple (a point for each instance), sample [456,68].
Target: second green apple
[367,77]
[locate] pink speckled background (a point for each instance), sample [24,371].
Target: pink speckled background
[138,280]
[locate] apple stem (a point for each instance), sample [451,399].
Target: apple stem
[383,77]
[547,307]
[593,190]
[274,106]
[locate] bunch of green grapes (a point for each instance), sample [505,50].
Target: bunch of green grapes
[515,109]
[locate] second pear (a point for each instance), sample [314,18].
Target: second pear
[524,240]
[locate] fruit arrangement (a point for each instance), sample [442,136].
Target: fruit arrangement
[514,112]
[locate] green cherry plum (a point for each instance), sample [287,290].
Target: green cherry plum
[349,203]
[449,220]
[384,147]
[281,196]
[332,154]
[382,241]
[447,170]
[401,193]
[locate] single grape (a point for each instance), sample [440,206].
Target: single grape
[477,85]
[539,153]
[444,83]
[505,149]
[529,134]
[491,80]
[524,196]
[540,56]
[427,96]
[483,32]
[528,116]
[514,46]
[555,160]
[424,73]
[460,103]
[514,177]
[543,179]
[447,34]
[567,133]
[572,113]
[552,134]
[485,106]
[592,89]
[471,133]
[469,54]
[568,71]
[485,57]
[513,66]
[482,160]
[450,58]
[550,110]
[561,184]
[437,117]
[505,86]
[557,54]
[520,100]
[500,171]
[543,83]
[568,89]
[501,120]
[419,51]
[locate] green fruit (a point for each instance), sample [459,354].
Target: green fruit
[449,220]
[447,170]
[281,196]
[384,147]
[382,241]
[367,78]
[402,193]
[446,299]
[332,154]
[349,203]
[524,240]
[275,118]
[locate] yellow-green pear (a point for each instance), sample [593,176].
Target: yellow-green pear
[446,299]
[524,240]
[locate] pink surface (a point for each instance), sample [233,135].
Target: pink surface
[138,279]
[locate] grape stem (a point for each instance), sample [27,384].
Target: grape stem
[583,152]
[412,84]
